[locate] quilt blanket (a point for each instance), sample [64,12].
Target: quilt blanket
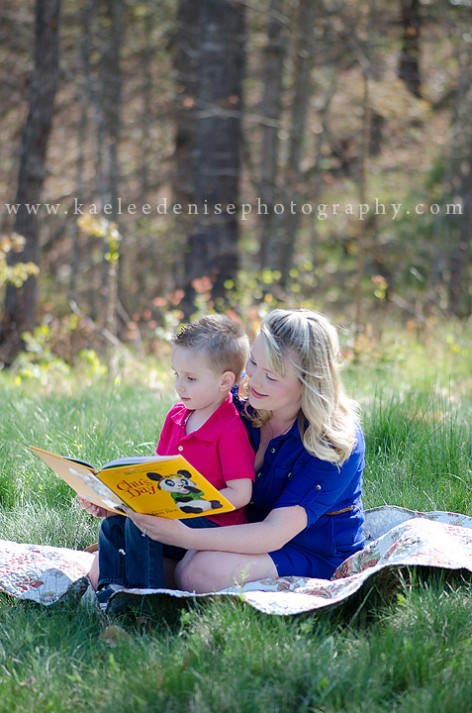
[395,538]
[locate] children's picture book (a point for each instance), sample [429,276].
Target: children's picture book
[167,486]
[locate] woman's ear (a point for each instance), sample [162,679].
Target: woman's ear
[227,381]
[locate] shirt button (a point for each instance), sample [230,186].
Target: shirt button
[318,487]
[289,475]
[272,450]
[180,448]
[259,475]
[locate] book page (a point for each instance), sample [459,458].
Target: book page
[167,486]
[81,477]
[133,460]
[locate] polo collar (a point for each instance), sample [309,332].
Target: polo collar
[207,431]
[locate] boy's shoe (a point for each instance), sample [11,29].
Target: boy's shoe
[104,594]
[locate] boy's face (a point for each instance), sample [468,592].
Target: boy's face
[198,385]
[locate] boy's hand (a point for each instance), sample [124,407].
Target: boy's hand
[93,509]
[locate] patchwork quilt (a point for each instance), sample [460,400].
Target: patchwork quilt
[395,538]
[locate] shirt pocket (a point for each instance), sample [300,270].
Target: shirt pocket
[276,481]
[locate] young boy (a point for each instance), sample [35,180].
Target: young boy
[208,356]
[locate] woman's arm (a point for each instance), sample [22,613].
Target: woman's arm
[280,526]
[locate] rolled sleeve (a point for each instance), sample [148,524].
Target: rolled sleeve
[321,487]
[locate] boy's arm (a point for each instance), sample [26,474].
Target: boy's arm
[238,492]
[237,463]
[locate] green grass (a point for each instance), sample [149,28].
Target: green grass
[414,654]
[418,453]
[410,650]
[96,424]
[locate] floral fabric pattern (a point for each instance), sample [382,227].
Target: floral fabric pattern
[395,538]
[41,573]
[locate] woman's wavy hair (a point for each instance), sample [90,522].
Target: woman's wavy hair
[310,343]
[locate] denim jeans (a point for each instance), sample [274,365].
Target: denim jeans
[129,558]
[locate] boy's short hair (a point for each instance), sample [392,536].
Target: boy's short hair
[223,341]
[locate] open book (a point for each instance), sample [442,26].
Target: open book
[167,486]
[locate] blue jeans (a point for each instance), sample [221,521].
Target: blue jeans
[129,558]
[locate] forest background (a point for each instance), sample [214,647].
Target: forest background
[160,160]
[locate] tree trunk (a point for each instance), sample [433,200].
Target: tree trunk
[452,262]
[103,38]
[112,36]
[289,225]
[148,101]
[459,301]
[111,84]
[80,182]
[186,62]
[20,303]
[362,224]
[409,64]
[209,139]
[271,112]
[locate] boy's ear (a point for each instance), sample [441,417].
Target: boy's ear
[227,380]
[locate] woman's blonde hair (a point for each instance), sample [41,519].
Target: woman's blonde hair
[310,343]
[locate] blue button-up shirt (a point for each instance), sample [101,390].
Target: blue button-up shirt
[292,476]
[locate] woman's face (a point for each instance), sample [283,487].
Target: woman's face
[267,389]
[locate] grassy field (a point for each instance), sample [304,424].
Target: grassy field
[410,651]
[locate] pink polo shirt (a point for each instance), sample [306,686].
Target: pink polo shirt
[219,449]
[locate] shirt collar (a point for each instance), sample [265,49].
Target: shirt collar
[206,432]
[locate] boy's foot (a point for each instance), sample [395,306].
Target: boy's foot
[104,594]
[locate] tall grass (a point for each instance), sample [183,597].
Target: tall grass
[95,424]
[418,453]
[409,650]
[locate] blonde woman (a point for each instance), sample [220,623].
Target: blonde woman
[305,516]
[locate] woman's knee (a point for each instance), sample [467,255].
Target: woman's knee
[195,574]
[184,576]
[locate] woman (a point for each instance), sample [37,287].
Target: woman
[305,516]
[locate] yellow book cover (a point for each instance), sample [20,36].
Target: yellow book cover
[167,486]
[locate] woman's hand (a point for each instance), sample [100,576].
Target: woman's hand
[93,509]
[169,532]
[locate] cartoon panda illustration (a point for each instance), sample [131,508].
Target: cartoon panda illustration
[185,493]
